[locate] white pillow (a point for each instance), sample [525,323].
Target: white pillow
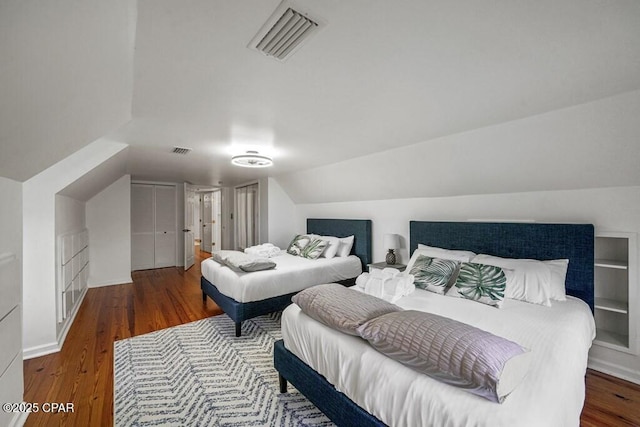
[333,243]
[531,279]
[558,269]
[433,252]
[346,243]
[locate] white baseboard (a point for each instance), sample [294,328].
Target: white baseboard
[19,419]
[62,335]
[614,370]
[40,350]
[44,349]
[110,282]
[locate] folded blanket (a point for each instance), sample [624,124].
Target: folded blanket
[239,261]
[341,308]
[449,351]
[388,284]
[266,250]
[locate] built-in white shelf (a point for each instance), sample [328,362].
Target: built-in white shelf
[611,263]
[612,340]
[611,305]
[616,291]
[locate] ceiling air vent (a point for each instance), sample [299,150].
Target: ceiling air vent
[181,150]
[284,32]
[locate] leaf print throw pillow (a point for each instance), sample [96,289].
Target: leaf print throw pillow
[433,274]
[298,244]
[480,282]
[314,249]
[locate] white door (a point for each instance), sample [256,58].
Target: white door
[189,226]
[207,238]
[216,209]
[165,232]
[142,227]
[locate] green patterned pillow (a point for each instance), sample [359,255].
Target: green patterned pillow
[433,274]
[480,282]
[298,244]
[314,249]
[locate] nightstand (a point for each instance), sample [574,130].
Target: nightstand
[381,265]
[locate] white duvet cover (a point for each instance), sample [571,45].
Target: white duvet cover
[552,393]
[292,274]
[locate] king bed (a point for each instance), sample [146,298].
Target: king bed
[243,296]
[353,384]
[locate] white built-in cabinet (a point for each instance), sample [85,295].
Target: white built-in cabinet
[616,290]
[153,226]
[10,333]
[73,273]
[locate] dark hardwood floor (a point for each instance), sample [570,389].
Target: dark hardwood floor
[82,373]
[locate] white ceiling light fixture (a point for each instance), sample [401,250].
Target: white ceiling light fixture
[285,31]
[251,159]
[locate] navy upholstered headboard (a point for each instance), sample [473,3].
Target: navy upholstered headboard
[519,240]
[359,228]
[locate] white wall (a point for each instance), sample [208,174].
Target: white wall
[180,224]
[11,376]
[614,209]
[70,215]
[67,78]
[38,269]
[281,214]
[109,223]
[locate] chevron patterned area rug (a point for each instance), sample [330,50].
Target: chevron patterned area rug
[201,374]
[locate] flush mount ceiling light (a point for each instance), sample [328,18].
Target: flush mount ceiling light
[251,159]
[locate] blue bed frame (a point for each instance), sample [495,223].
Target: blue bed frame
[512,240]
[239,311]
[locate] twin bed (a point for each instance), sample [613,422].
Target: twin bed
[243,296]
[353,384]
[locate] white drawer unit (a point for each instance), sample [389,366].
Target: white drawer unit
[10,338]
[12,376]
[9,276]
[10,334]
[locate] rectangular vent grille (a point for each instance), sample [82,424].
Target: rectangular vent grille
[181,150]
[290,30]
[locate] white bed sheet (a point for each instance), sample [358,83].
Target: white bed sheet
[292,274]
[552,393]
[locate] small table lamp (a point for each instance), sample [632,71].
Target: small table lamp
[391,242]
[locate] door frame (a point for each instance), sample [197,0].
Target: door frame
[187,230]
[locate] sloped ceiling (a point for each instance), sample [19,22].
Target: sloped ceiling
[380,75]
[99,178]
[66,78]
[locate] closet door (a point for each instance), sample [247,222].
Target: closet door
[142,226]
[165,231]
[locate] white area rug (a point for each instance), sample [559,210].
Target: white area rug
[201,374]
